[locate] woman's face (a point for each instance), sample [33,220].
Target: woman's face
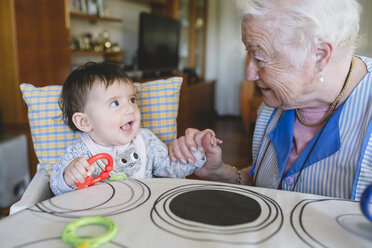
[282,84]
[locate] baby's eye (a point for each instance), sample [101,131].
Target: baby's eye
[133,100]
[114,103]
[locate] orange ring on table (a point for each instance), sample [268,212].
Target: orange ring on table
[89,180]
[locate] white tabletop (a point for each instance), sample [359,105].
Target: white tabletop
[192,213]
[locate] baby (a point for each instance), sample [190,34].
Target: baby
[99,100]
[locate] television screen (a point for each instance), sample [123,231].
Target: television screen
[158,43]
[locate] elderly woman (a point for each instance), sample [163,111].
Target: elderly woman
[313,131]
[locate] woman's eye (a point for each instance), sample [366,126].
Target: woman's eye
[114,103]
[260,62]
[133,100]
[257,58]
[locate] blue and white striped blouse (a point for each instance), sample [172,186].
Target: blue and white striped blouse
[340,164]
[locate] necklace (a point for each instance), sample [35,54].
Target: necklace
[334,103]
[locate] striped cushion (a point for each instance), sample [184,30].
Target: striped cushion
[157,100]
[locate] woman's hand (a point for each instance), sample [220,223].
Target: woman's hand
[194,139]
[182,148]
[213,152]
[77,171]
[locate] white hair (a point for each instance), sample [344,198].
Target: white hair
[304,23]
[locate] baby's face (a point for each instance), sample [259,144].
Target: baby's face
[112,113]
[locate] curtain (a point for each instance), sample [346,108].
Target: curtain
[225,55]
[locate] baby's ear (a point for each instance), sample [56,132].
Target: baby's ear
[81,122]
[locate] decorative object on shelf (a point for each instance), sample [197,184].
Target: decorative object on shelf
[89,7]
[86,42]
[102,44]
[92,7]
[98,44]
[115,47]
[100,8]
[106,41]
[75,6]
[74,43]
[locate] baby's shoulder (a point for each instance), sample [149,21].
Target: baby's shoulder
[146,133]
[150,138]
[78,146]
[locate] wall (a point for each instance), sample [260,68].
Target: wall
[225,55]
[365,46]
[125,33]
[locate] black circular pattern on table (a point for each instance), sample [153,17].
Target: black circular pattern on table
[213,205]
[216,213]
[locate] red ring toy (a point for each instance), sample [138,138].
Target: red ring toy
[89,180]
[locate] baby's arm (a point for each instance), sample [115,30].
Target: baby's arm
[163,166]
[57,180]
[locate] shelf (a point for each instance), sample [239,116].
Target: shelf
[94,17]
[88,52]
[156,2]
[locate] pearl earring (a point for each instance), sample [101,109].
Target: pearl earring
[321,79]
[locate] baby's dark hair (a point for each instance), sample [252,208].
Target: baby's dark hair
[80,81]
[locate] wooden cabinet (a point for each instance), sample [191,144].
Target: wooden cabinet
[192,15]
[196,106]
[34,49]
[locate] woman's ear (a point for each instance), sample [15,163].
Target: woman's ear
[81,122]
[323,54]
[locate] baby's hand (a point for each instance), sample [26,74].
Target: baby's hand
[77,171]
[206,139]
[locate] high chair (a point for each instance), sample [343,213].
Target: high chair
[157,100]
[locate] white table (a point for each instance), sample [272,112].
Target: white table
[192,213]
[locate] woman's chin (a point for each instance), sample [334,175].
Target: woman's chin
[270,103]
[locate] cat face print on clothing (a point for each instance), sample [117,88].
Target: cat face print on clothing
[128,162]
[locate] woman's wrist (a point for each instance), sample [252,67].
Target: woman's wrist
[238,175]
[242,176]
[227,173]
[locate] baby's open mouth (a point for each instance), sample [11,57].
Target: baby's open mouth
[127,126]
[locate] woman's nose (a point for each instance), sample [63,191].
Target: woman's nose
[252,70]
